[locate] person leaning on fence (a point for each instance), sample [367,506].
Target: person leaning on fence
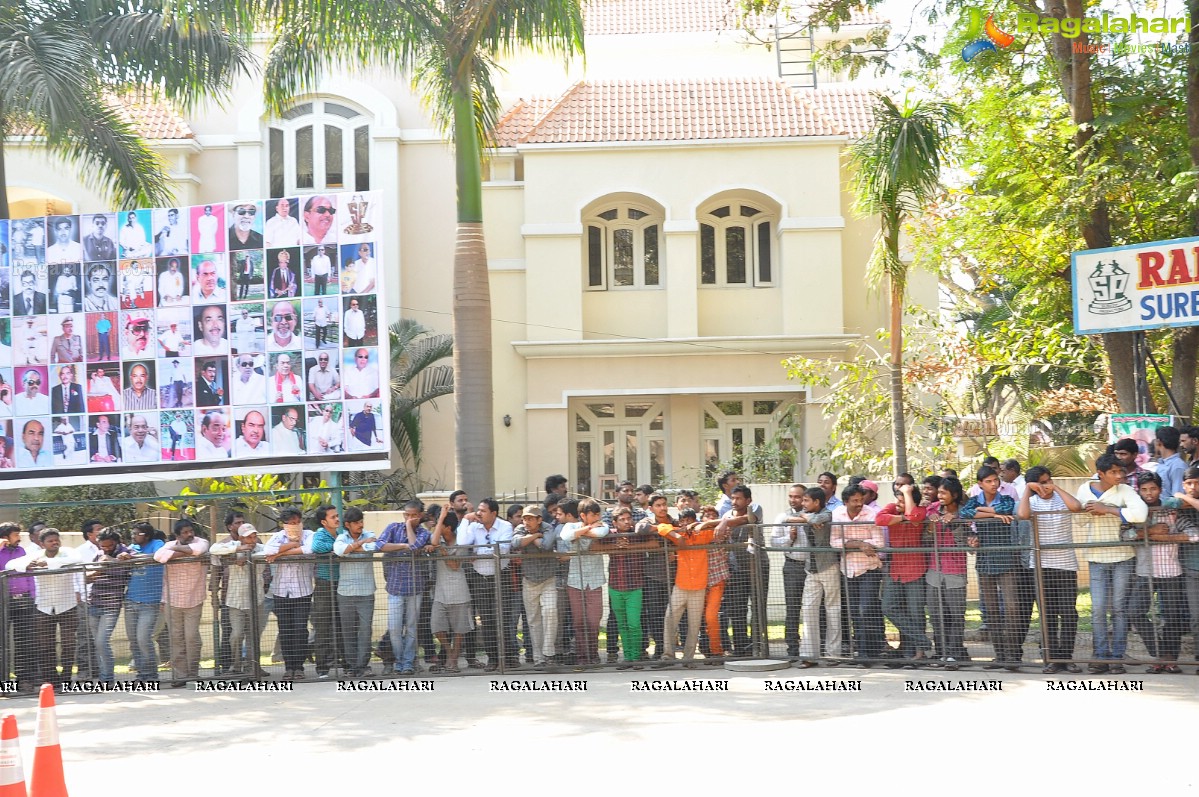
[108,579]
[1048,506]
[855,533]
[405,581]
[183,593]
[328,645]
[537,541]
[1107,504]
[785,534]
[690,584]
[291,586]
[904,581]
[452,615]
[143,601]
[946,576]
[993,538]
[737,524]
[356,591]
[719,573]
[659,577]
[486,534]
[58,599]
[626,580]
[822,580]
[1188,555]
[218,586]
[1165,531]
[585,576]
[241,600]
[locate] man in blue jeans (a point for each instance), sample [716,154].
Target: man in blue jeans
[402,542]
[143,602]
[108,593]
[356,591]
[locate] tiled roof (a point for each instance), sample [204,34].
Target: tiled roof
[612,17]
[848,108]
[685,110]
[520,119]
[154,120]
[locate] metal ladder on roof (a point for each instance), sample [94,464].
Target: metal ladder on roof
[794,46]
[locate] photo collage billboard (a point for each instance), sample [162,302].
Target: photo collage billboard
[171,343]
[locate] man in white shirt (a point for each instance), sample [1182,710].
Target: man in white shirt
[133,238]
[361,381]
[33,401]
[249,387]
[206,288]
[65,248]
[282,229]
[365,272]
[170,285]
[206,226]
[252,442]
[283,328]
[320,320]
[31,452]
[171,238]
[320,267]
[139,445]
[104,445]
[171,341]
[285,437]
[212,331]
[57,599]
[247,333]
[318,220]
[292,586]
[100,385]
[323,382]
[325,436]
[213,440]
[31,343]
[484,533]
[66,289]
[353,324]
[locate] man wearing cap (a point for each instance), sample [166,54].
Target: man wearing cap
[183,594]
[242,599]
[171,341]
[537,542]
[241,231]
[67,347]
[99,298]
[178,380]
[137,336]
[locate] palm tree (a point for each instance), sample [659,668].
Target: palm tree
[415,380]
[896,172]
[64,63]
[450,49]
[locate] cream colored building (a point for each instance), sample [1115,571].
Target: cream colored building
[664,225]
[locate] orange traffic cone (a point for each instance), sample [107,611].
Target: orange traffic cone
[12,774]
[48,780]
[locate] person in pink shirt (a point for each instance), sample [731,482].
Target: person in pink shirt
[946,575]
[855,533]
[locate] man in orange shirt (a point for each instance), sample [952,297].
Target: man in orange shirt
[690,584]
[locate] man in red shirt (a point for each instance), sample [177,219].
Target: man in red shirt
[903,586]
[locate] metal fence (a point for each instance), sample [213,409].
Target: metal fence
[1056,593]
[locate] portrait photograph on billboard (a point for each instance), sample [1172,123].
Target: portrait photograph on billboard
[173,343]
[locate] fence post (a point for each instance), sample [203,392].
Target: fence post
[5,631]
[500,633]
[760,640]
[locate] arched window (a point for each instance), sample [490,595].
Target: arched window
[735,245]
[623,244]
[319,145]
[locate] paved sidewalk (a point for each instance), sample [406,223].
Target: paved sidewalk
[321,741]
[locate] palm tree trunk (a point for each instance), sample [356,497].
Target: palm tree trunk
[474,437]
[4,214]
[899,437]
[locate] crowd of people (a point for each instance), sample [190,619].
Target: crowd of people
[467,586]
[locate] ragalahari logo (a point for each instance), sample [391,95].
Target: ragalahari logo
[975,28]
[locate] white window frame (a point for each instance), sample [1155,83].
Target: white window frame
[747,422]
[619,424]
[752,223]
[318,117]
[607,230]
